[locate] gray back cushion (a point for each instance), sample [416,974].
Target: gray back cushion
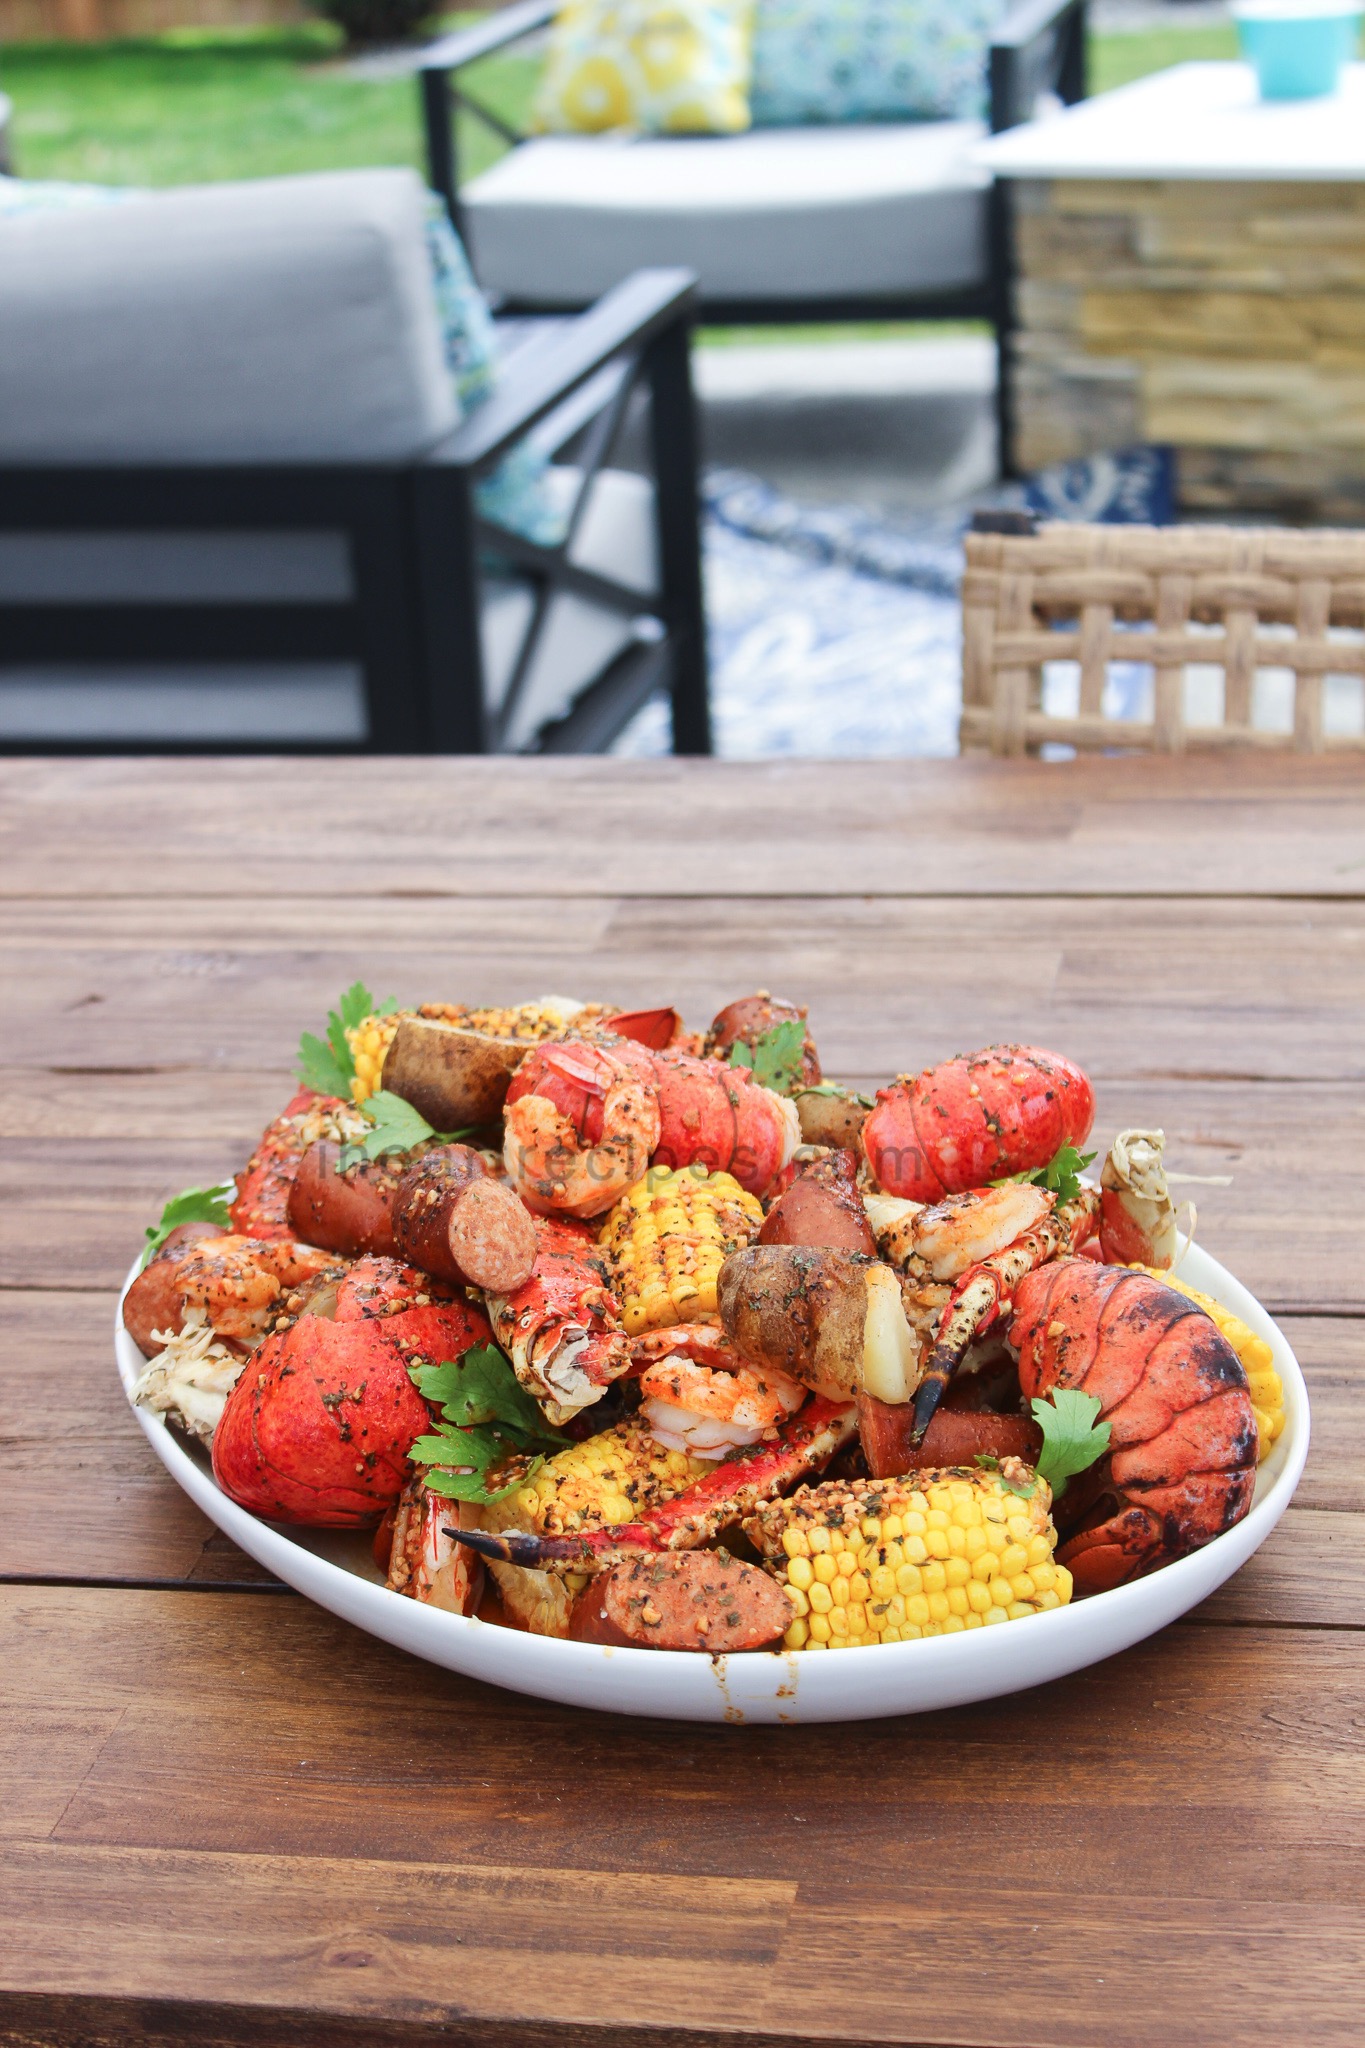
[286,319]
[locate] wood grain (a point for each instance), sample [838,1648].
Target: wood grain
[1270,990]
[89,829]
[373,1869]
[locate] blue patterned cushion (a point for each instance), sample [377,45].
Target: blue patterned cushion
[870,60]
[520,494]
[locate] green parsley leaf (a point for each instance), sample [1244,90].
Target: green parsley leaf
[195,1205]
[329,1067]
[1060,1177]
[397,1127]
[472,1485]
[488,1417]
[775,1057]
[1072,1437]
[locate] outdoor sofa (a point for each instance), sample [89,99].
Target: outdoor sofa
[237,498]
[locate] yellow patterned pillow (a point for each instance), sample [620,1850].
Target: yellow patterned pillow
[661,67]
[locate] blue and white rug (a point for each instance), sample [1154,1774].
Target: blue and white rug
[834,633]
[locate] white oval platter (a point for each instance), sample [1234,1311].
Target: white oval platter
[334,1569]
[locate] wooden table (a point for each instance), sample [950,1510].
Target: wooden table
[1191,269]
[228,1818]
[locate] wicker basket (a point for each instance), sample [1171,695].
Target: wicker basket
[1168,597]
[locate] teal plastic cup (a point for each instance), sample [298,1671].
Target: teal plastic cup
[1298,48]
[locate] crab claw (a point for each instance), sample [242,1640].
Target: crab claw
[537,1553]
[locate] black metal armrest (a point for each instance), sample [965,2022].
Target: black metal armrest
[1039,47]
[541,376]
[467,45]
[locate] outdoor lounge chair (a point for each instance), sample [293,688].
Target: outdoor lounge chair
[236,498]
[1223,636]
[881,221]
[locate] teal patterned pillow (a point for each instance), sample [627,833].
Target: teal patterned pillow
[870,60]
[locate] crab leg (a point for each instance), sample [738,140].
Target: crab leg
[736,1488]
[987,1290]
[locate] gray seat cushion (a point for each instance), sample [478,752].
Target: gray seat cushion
[779,213]
[284,319]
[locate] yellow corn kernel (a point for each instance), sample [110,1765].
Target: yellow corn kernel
[666,1240]
[982,1555]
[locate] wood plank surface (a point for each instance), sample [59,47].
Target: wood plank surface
[1235,988]
[358,1863]
[488,829]
[227,1818]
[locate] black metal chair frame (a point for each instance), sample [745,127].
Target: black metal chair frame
[1039,47]
[415,539]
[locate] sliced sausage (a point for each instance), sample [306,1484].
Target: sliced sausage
[348,1211]
[682,1600]
[822,1207]
[954,1437]
[452,1219]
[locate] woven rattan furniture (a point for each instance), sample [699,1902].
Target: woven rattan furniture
[1180,601]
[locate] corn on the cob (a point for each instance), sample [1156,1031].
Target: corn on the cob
[1258,1360]
[371,1038]
[607,1479]
[888,1560]
[667,1239]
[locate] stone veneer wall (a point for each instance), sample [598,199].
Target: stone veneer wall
[1228,319]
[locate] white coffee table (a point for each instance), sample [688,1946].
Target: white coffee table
[1191,269]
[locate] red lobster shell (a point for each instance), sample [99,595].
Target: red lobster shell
[318,1428]
[261,1205]
[1181,1463]
[975,1119]
[707,1113]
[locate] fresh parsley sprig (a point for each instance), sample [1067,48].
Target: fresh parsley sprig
[1060,1177]
[775,1057]
[487,1417]
[395,1127]
[1072,1441]
[329,1065]
[195,1205]
[1073,1437]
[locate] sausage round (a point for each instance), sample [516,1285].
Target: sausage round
[955,1437]
[452,1219]
[154,1301]
[682,1600]
[350,1211]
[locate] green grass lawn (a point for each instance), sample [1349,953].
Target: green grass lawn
[209,104]
[202,105]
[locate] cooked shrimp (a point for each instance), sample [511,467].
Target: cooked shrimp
[945,1241]
[710,1409]
[585,1135]
[238,1281]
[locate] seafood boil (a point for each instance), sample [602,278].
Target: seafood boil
[655,1338]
